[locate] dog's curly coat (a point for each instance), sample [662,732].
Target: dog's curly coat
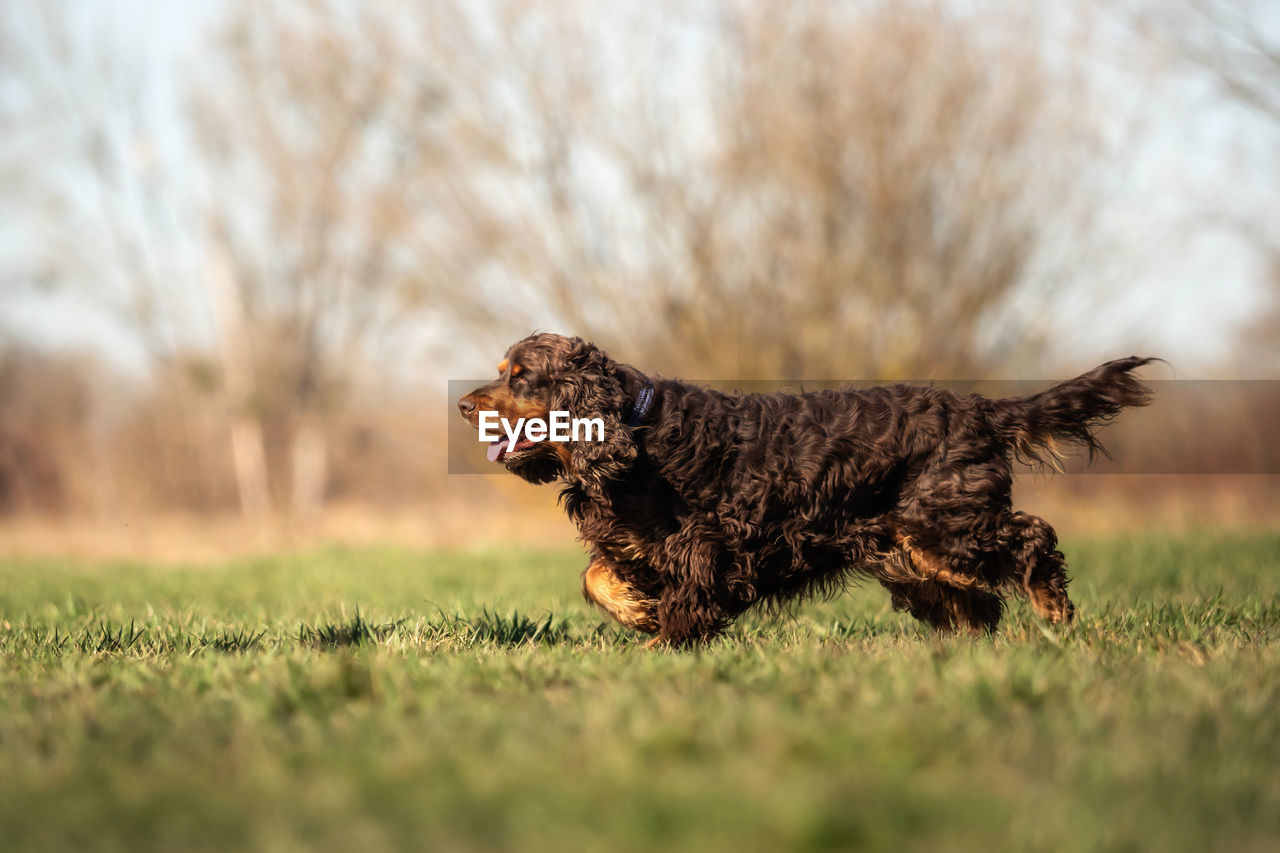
[712,503]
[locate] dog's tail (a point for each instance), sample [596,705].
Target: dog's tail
[1070,411]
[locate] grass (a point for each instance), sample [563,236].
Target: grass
[470,701]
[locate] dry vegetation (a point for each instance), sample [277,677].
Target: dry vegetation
[349,200]
[134,475]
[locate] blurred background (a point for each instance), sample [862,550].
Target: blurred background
[244,247]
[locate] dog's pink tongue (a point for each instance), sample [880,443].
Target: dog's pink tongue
[497,450]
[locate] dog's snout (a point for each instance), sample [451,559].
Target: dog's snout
[467,405]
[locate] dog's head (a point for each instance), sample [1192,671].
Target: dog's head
[545,374]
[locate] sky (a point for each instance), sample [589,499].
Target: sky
[1203,168]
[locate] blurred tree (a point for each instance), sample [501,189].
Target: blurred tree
[98,170]
[320,147]
[749,189]
[791,190]
[1237,43]
[274,215]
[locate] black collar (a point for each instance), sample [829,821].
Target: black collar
[640,407]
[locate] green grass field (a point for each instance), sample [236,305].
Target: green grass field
[470,701]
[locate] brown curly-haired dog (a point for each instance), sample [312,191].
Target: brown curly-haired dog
[698,505]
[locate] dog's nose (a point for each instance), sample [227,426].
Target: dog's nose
[466,405]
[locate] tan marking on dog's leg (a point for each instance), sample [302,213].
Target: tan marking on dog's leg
[932,568]
[1044,572]
[603,588]
[945,599]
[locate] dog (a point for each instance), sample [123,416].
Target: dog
[698,505]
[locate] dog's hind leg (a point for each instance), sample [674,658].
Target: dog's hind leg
[923,585]
[1033,544]
[947,608]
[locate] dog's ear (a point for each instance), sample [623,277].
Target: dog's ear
[592,385]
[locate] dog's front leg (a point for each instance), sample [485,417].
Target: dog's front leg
[692,605]
[689,613]
[605,588]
